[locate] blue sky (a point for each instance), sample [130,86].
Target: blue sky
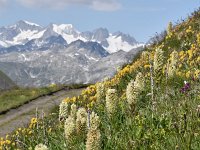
[139,18]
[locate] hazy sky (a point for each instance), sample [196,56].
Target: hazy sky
[139,18]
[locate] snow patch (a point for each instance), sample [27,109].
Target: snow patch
[32,24]
[4,44]
[24,35]
[116,44]
[91,58]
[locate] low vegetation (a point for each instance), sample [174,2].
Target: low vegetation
[152,103]
[13,98]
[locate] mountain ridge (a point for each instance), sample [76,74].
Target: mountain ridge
[23,32]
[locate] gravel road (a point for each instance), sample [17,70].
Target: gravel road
[21,116]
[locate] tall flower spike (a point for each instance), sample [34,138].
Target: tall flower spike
[81,121]
[100,92]
[139,82]
[111,101]
[69,128]
[130,93]
[169,28]
[41,147]
[145,56]
[133,90]
[158,63]
[73,111]
[63,110]
[173,64]
[94,136]
[94,121]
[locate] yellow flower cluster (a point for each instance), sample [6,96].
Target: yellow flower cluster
[33,123]
[6,143]
[198,38]
[189,30]
[169,36]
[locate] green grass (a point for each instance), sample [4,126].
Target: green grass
[16,97]
[172,124]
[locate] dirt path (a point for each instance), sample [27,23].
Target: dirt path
[21,116]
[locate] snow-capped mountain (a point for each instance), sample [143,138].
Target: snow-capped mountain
[24,32]
[34,55]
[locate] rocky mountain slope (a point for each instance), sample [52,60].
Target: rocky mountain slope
[38,56]
[5,82]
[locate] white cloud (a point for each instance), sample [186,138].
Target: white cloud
[105,5]
[3,3]
[100,5]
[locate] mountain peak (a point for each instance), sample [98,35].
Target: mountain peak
[24,22]
[30,23]
[101,34]
[24,31]
[66,26]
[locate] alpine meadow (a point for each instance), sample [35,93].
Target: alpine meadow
[151,103]
[68,89]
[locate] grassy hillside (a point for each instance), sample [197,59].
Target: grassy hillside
[152,103]
[5,82]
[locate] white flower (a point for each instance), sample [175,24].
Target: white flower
[111,101]
[41,147]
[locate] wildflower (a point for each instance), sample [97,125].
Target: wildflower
[93,140]
[169,28]
[139,82]
[100,92]
[73,111]
[8,142]
[198,38]
[41,147]
[33,123]
[189,30]
[133,90]
[145,55]
[158,63]
[94,121]
[63,110]
[94,136]
[49,130]
[81,120]
[173,64]
[190,53]
[111,101]
[33,120]
[69,128]
[188,74]
[186,87]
